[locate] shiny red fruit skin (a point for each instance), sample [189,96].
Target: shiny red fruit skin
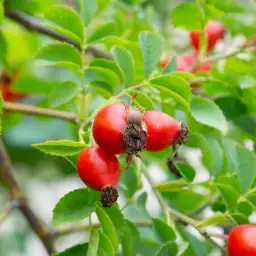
[108,128]
[162,130]
[214,30]
[242,241]
[98,168]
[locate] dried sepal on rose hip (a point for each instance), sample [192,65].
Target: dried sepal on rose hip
[100,170]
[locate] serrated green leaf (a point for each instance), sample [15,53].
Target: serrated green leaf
[60,147]
[172,185]
[164,232]
[97,74]
[180,17]
[77,250]
[101,32]
[74,206]
[135,237]
[206,112]
[107,64]
[175,84]
[87,8]
[229,195]
[108,227]
[142,100]
[117,218]
[171,67]
[196,140]
[218,218]
[66,21]
[187,171]
[93,244]
[151,45]
[60,52]
[170,249]
[125,61]
[105,246]
[62,94]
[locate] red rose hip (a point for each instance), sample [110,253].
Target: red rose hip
[100,171]
[242,241]
[162,130]
[214,31]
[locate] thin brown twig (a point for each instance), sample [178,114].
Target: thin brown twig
[34,24]
[33,110]
[12,205]
[43,233]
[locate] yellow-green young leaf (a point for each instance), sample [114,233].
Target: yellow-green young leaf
[170,249]
[171,67]
[97,74]
[184,75]
[206,112]
[60,52]
[87,9]
[62,94]
[218,218]
[105,246]
[229,195]
[108,227]
[135,237]
[101,32]
[66,21]
[3,53]
[142,100]
[172,185]
[93,244]
[107,64]
[1,13]
[175,84]
[151,45]
[74,206]
[60,147]
[164,232]
[187,16]
[125,61]
[77,250]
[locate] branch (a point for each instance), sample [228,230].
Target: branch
[33,110]
[16,194]
[34,24]
[12,205]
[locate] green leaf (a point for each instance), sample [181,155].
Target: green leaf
[60,147]
[3,53]
[170,249]
[171,67]
[239,218]
[87,8]
[77,250]
[1,13]
[217,219]
[125,61]
[187,171]
[127,242]
[206,112]
[151,45]
[1,112]
[164,232]
[196,140]
[101,32]
[74,206]
[60,52]
[142,100]
[172,185]
[62,94]
[105,246]
[141,203]
[108,227]
[93,243]
[117,218]
[107,64]
[229,195]
[180,17]
[175,84]
[98,74]
[66,21]
[135,234]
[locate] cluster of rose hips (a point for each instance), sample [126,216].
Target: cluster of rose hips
[122,129]
[214,31]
